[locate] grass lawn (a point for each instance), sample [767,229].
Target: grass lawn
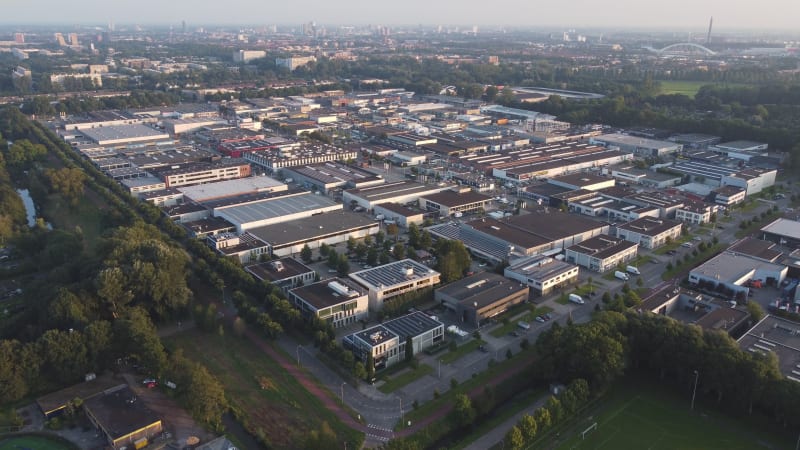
[757,224]
[687,88]
[267,396]
[462,350]
[405,378]
[642,417]
[35,442]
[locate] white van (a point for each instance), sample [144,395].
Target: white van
[621,276]
[633,270]
[575,298]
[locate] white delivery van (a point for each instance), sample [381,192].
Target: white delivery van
[633,270]
[575,298]
[621,276]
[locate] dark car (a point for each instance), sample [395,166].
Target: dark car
[483,349]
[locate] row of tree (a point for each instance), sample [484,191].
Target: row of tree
[557,409]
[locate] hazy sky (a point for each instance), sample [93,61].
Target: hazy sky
[728,14]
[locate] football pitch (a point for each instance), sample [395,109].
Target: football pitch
[644,419]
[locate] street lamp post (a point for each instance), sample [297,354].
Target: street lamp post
[694,392]
[401,408]
[343,383]
[298,354]
[440,369]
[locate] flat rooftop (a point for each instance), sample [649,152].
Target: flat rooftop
[392,274]
[121,132]
[230,188]
[120,413]
[741,145]
[702,169]
[399,188]
[723,318]
[649,226]
[272,208]
[731,267]
[624,139]
[603,246]
[539,267]
[757,248]
[322,295]
[779,336]
[413,325]
[452,199]
[581,180]
[314,227]
[58,399]
[550,226]
[329,173]
[483,288]
[784,227]
[400,209]
[376,335]
[270,271]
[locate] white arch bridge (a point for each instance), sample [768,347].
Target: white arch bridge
[685,48]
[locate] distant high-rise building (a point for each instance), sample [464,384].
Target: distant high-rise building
[73,39]
[59,38]
[183,27]
[19,38]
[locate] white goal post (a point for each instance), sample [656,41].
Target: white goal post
[588,429]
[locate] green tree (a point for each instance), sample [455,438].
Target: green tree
[399,251]
[515,439]
[413,235]
[13,385]
[528,426]
[69,182]
[409,349]
[351,244]
[463,411]
[755,310]
[543,418]
[453,259]
[384,258]
[343,268]
[306,254]
[333,259]
[393,230]
[372,256]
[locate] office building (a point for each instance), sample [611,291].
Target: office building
[481,296]
[542,274]
[649,232]
[394,279]
[602,253]
[286,273]
[339,301]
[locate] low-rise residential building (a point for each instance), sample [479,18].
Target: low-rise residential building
[649,232]
[481,296]
[387,342]
[286,273]
[542,273]
[394,279]
[602,253]
[339,301]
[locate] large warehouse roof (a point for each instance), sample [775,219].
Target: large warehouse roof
[276,207]
[114,133]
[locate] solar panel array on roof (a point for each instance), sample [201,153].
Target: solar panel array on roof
[394,273]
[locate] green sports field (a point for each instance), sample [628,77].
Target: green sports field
[643,419]
[34,442]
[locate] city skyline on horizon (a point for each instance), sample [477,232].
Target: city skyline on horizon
[733,15]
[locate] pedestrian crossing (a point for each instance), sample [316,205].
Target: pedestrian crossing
[380,434]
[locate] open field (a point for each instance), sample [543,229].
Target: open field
[34,442]
[86,215]
[269,399]
[642,417]
[687,88]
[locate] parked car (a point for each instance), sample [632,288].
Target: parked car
[686,244]
[540,319]
[548,316]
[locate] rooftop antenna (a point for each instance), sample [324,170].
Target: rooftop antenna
[710,24]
